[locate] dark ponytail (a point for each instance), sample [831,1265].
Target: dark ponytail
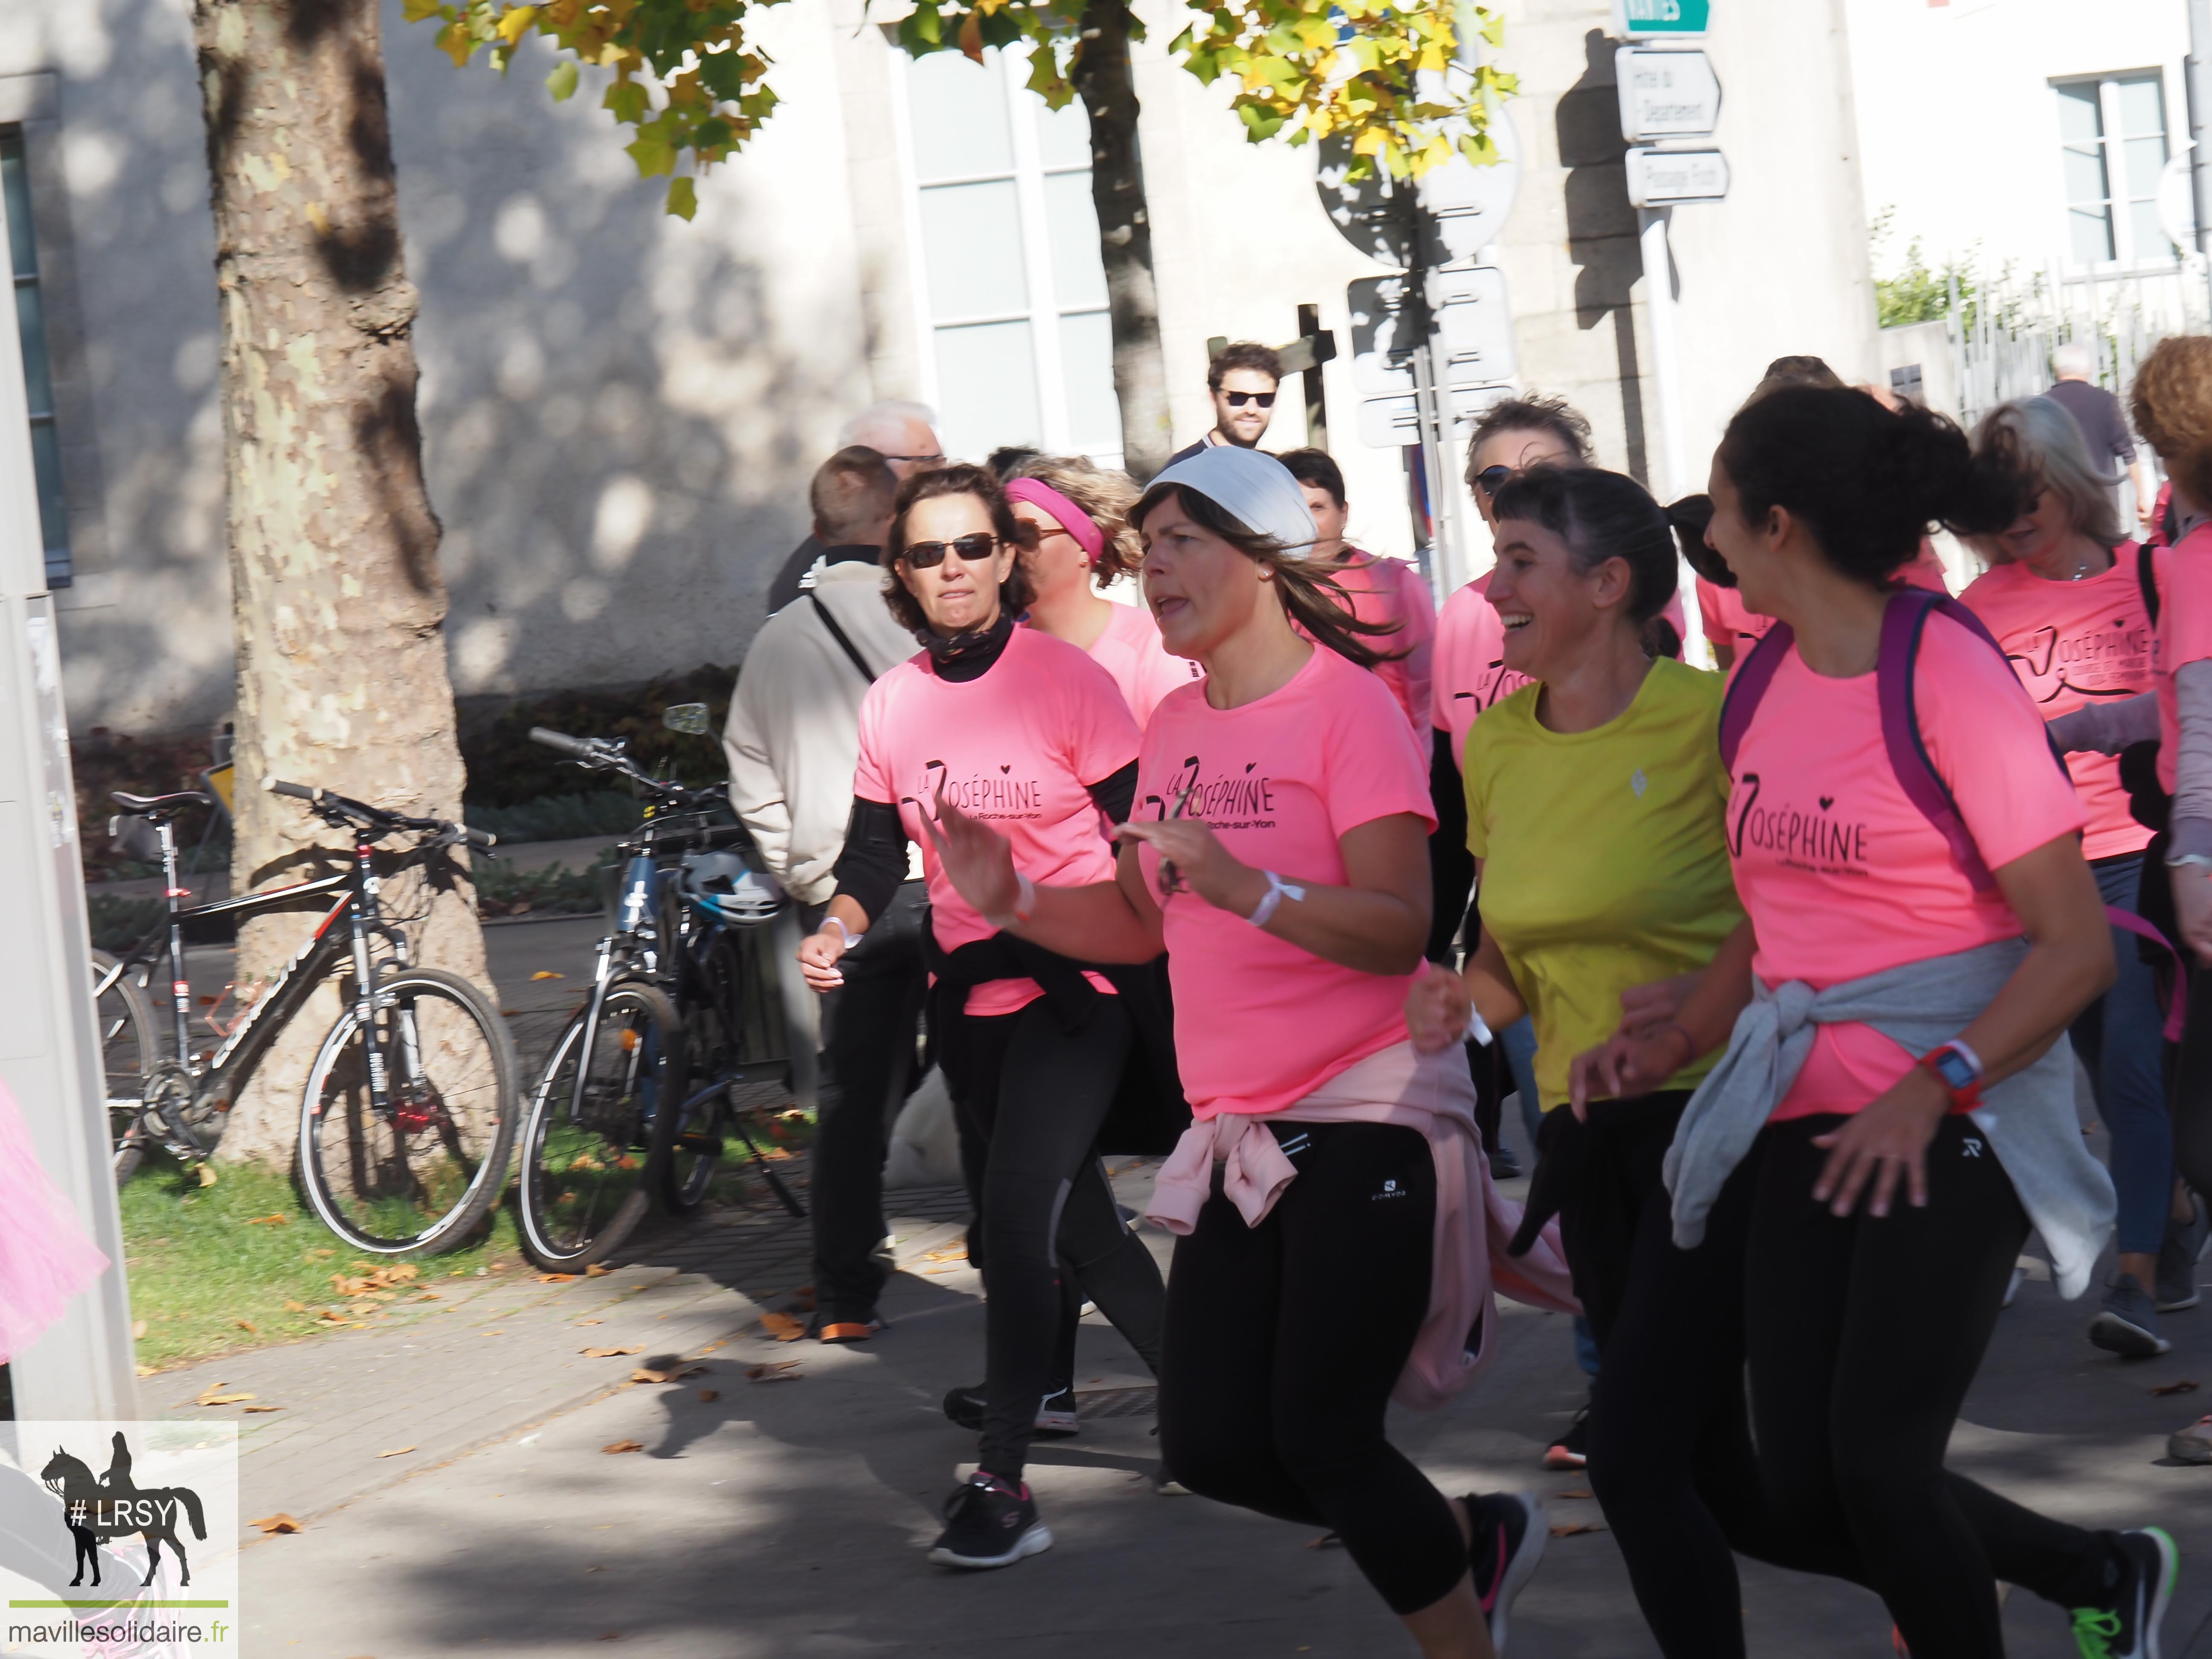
[1689,518]
[1600,515]
[1866,482]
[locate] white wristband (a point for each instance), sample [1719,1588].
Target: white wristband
[850,938]
[1477,1032]
[1277,890]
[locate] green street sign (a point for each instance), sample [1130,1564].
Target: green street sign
[1665,17]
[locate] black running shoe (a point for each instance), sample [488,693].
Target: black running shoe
[1571,1449]
[989,1523]
[2123,1622]
[1055,1419]
[1504,1165]
[1509,1531]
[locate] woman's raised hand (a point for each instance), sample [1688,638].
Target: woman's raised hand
[818,956]
[976,859]
[1201,863]
[1437,1007]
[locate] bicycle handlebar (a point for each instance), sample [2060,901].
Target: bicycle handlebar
[576,749]
[606,755]
[337,808]
[276,786]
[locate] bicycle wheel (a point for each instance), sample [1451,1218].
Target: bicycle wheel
[421,1174]
[588,1162]
[127,1053]
[687,1152]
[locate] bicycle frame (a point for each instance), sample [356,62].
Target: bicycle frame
[215,1082]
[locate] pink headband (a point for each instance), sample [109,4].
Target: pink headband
[1072,519]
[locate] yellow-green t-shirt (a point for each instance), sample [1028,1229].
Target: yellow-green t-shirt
[1605,856]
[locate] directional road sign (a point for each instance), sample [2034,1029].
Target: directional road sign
[1670,178]
[1395,422]
[1473,326]
[1665,93]
[1673,18]
[1464,205]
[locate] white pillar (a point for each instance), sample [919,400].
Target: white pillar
[1674,475]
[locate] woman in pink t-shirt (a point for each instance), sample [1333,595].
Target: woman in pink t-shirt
[2069,601]
[1277,852]
[1388,592]
[1009,727]
[1076,541]
[1889,1200]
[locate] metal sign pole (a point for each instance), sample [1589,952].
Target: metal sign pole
[1671,474]
[2197,84]
[49,1044]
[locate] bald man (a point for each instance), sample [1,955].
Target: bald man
[905,435]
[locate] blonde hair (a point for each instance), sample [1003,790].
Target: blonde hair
[1107,497]
[2172,409]
[2031,445]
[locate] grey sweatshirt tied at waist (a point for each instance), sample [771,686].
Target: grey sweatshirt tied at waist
[2028,1118]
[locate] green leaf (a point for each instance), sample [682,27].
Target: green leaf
[682,197]
[652,153]
[416,11]
[627,100]
[562,83]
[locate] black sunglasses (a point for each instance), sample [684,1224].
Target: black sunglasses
[968,550]
[1238,400]
[1490,477]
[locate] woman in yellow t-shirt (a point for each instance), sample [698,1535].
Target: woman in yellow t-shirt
[1596,804]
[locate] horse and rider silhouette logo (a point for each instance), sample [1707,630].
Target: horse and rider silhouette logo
[96,1509]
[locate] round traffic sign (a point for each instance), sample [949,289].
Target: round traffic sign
[1461,207]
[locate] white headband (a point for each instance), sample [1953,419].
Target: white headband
[1256,489]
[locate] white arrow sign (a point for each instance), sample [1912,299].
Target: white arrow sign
[1665,95]
[1473,323]
[1395,422]
[1670,178]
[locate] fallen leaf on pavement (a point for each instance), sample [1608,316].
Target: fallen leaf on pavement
[708,1396]
[802,1299]
[950,1252]
[145,1371]
[331,1315]
[269,1523]
[547,973]
[674,1373]
[245,1326]
[397,1451]
[279,1220]
[1573,1527]
[429,1296]
[782,1326]
[2185,1386]
[591,1322]
[1577,1492]
[781,1370]
[595,1270]
[212,1398]
[722,1343]
[556,1279]
[296,1307]
[207,1174]
[609,1353]
[252,1409]
[625,1446]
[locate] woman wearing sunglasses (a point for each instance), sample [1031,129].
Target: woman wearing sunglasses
[1021,730]
[1277,853]
[1076,540]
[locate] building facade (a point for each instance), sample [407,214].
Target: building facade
[621,411]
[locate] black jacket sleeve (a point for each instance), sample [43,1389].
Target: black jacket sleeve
[1116,796]
[873,862]
[1451,867]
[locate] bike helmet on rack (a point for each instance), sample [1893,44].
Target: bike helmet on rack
[725,885]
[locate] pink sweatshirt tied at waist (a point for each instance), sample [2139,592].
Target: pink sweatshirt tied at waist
[1432,1093]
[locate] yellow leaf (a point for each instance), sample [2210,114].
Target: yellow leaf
[625,1446]
[415,11]
[971,37]
[547,973]
[212,1398]
[457,43]
[515,23]
[207,1174]
[562,83]
[270,1524]
[397,1451]
[682,197]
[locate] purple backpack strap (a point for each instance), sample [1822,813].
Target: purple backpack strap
[1745,691]
[1902,624]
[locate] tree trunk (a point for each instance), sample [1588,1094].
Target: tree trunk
[1101,79]
[337,599]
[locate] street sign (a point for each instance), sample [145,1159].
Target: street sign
[1395,422]
[1671,177]
[1665,93]
[1473,327]
[1466,205]
[1671,18]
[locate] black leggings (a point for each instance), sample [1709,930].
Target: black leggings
[1267,1401]
[1032,1095]
[2189,1098]
[1863,1336]
[1671,1454]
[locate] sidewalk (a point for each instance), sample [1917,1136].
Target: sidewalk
[788,1518]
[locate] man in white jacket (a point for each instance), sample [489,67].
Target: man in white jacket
[792,739]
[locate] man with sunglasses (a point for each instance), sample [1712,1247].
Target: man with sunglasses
[1243,379]
[905,435]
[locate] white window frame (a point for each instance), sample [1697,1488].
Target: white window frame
[1044,312]
[2111,142]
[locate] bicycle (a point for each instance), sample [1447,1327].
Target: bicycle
[406,1122]
[635,1101]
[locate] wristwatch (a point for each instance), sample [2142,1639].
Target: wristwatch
[1959,1068]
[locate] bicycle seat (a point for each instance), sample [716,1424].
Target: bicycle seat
[159,806]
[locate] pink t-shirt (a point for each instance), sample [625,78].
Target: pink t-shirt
[1468,668]
[1843,876]
[2072,643]
[1130,650]
[1392,592]
[1259,1022]
[1017,749]
[1729,620]
[2184,635]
